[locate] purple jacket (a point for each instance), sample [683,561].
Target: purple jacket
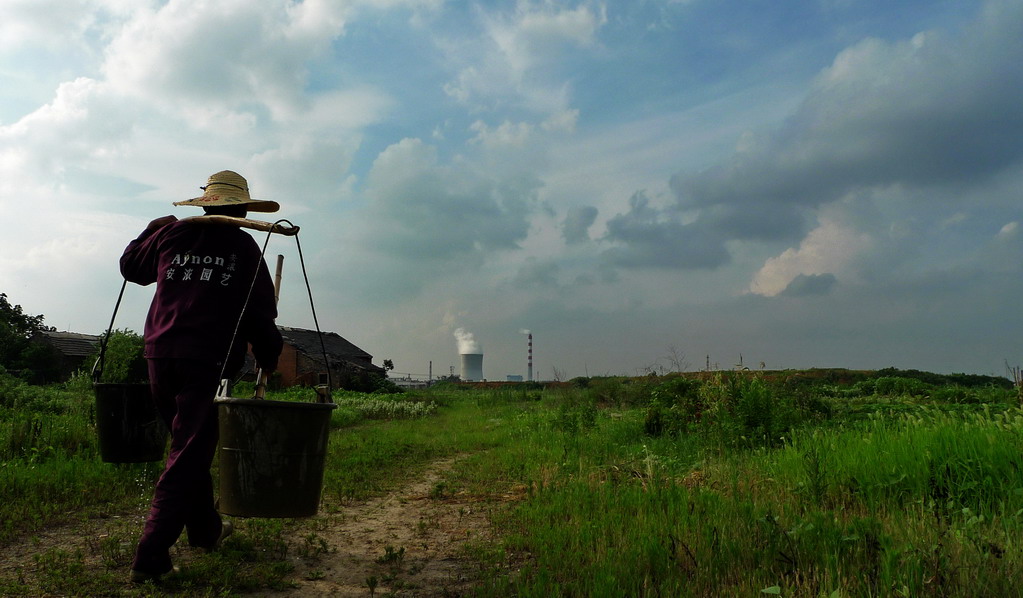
[203,273]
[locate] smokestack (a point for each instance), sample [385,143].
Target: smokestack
[472,366]
[529,354]
[530,362]
[471,354]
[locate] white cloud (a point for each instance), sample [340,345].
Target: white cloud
[50,24]
[934,110]
[423,220]
[224,56]
[304,170]
[878,172]
[536,33]
[954,220]
[415,199]
[516,62]
[564,120]
[520,135]
[316,19]
[506,134]
[349,109]
[1009,230]
[534,274]
[828,249]
[84,123]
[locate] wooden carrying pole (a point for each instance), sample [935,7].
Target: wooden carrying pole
[260,392]
[267,227]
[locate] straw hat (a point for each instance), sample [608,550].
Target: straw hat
[228,188]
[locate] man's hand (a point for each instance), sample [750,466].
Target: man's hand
[161,222]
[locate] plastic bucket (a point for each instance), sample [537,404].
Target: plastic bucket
[129,427]
[272,456]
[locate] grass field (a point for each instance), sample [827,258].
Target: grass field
[813,483]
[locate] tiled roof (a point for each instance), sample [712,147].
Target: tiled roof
[72,343]
[337,347]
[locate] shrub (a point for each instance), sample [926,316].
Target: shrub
[382,385]
[12,389]
[897,385]
[123,360]
[675,404]
[744,410]
[967,380]
[608,391]
[863,388]
[953,394]
[974,396]
[616,390]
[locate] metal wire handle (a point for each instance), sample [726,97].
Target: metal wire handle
[312,306]
[97,368]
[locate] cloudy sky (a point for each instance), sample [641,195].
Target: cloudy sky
[817,183]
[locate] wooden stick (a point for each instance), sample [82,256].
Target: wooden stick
[289,231]
[261,376]
[277,278]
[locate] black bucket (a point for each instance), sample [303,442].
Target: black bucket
[129,427]
[272,456]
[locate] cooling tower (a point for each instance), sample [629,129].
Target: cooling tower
[472,366]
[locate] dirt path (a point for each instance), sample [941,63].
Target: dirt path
[408,543]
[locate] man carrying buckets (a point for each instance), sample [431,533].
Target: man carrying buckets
[203,274]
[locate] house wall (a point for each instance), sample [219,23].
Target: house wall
[295,368]
[287,366]
[308,371]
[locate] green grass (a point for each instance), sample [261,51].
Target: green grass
[50,470]
[375,454]
[920,504]
[725,485]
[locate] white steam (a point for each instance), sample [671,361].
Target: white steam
[467,342]
[524,331]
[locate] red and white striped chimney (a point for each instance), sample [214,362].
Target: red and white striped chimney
[530,361]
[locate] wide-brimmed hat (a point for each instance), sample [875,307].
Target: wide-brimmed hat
[228,188]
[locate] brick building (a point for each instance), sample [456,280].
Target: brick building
[301,361]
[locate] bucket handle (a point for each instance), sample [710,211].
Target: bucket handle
[97,368]
[322,394]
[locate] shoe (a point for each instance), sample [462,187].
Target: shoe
[226,529]
[144,576]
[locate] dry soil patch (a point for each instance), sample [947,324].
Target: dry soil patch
[409,542]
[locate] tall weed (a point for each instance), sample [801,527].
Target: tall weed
[743,411]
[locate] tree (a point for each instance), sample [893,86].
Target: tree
[676,359]
[16,330]
[388,365]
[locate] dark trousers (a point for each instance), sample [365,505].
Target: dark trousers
[183,390]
